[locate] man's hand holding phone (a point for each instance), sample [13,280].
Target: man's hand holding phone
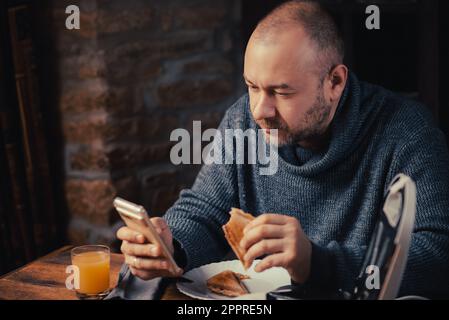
[146,260]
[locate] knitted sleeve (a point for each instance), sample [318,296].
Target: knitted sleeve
[197,216]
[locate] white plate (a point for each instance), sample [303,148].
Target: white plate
[259,284]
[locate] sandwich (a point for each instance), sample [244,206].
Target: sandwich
[233,231]
[228,283]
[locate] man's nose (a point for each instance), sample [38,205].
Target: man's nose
[264,107]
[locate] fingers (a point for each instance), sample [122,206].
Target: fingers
[145,275]
[271,235]
[264,247]
[273,260]
[147,264]
[141,250]
[130,235]
[146,260]
[267,218]
[146,268]
[148,275]
[260,232]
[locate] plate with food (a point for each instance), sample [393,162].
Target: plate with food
[235,278]
[229,280]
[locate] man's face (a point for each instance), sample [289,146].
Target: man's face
[285,88]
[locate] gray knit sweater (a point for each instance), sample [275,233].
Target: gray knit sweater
[335,194]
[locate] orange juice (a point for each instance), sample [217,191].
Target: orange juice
[93,271]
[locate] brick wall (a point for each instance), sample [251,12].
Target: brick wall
[135,71]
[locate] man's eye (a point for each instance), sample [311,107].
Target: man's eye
[252,87]
[282,93]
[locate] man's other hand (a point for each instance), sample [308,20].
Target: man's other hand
[284,243]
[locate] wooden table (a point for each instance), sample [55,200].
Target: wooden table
[44,279]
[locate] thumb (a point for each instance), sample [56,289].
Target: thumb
[159,224]
[163,229]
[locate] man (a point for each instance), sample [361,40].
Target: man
[341,141]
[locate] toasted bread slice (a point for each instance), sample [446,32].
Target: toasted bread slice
[233,231]
[228,283]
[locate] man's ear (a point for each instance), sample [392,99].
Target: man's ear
[337,78]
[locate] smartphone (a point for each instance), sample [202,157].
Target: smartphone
[136,218]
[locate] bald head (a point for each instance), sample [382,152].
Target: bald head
[315,22]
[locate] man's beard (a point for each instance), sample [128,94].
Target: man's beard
[313,126]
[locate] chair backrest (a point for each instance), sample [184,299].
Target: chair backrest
[384,263]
